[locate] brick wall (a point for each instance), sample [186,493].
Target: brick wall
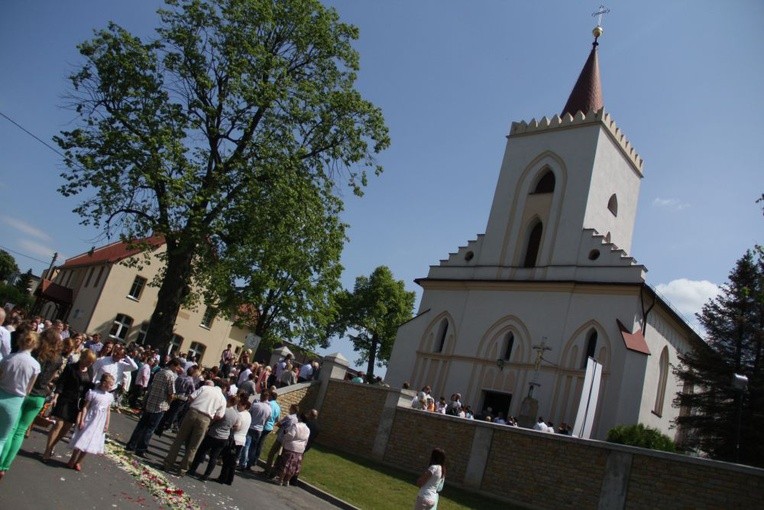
[349,416]
[415,433]
[523,466]
[529,468]
[661,481]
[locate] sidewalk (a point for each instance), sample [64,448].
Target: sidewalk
[103,484]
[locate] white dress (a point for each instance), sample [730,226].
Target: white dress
[90,438]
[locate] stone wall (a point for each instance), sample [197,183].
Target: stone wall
[525,467]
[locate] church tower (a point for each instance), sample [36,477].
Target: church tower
[517,314]
[567,192]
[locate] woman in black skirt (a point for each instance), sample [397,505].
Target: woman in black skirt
[236,443]
[74,382]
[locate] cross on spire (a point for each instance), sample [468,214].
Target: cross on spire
[599,13]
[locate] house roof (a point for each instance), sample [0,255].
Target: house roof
[113,252]
[54,292]
[586,95]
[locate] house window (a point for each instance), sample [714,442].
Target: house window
[98,278]
[141,338]
[534,243]
[509,342]
[209,316]
[441,338]
[612,205]
[89,276]
[137,288]
[545,184]
[197,351]
[120,327]
[662,379]
[591,347]
[175,342]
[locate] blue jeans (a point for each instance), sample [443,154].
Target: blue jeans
[257,438]
[139,440]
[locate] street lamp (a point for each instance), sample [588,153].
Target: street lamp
[739,386]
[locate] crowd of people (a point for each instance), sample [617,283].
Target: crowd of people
[454,407]
[71,382]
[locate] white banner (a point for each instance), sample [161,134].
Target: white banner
[587,406]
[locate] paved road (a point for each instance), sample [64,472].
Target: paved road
[103,485]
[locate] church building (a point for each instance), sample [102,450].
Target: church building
[516,314]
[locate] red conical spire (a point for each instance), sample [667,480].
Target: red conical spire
[587,93]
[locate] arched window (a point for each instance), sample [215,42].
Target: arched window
[509,342]
[545,184]
[441,338]
[660,394]
[534,243]
[591,347]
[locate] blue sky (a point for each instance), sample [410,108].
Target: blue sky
[682,79]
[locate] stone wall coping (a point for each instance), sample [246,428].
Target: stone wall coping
[710,463]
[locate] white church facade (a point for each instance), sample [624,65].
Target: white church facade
[552,276]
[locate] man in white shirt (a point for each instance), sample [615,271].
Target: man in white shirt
[207,404]
[5,337]
[118,365]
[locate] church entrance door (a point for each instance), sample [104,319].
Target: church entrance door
[497,401]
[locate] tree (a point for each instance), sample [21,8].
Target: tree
[288,265]
[373,311]
[24,283]
[183,133]
[8,265]
[734,323]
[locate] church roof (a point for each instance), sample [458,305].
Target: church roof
[586,95]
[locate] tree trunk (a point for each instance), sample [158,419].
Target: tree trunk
[372,358]
[173,292]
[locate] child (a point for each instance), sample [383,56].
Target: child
[92,423]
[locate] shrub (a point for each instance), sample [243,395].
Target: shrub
[639,435]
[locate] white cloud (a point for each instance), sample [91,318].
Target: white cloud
[26,228]
[673,204]
[35,248]
[688,296]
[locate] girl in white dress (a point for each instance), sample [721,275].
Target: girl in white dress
[92,423]
[431,482]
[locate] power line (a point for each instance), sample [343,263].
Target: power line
[24,255]
[46,144]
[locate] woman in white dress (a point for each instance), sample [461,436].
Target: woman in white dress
[431,482]
[92,423]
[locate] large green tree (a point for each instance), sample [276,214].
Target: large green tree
[8,265]
[734,324]
[372,313]
[183,134]
[285,269]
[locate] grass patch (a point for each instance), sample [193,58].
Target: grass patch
[367,484]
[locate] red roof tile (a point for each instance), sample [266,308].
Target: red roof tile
[634,341]
[111,253]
